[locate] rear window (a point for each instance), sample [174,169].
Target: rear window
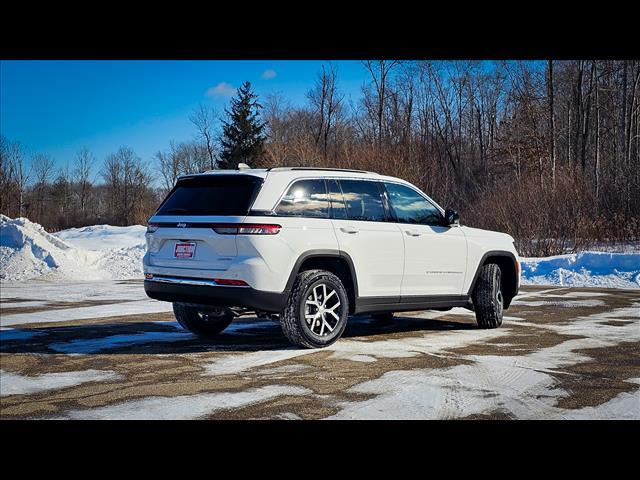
[214,195]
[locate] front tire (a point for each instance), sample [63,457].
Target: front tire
[317,308]
[204,323]
[488,300]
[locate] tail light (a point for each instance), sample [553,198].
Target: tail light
[152,227]
[247,229]
[231,282]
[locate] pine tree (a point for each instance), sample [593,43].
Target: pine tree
[242,134]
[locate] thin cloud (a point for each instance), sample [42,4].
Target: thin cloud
[222,89]
[269,74]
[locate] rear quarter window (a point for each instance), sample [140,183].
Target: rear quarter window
[214,195]
[305,198]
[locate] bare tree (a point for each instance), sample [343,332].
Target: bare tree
[43,168]
[82,177]
[21,173]
[326,104]
[379,71]
[552,128]
[127,180]
[7,175]
[204,117]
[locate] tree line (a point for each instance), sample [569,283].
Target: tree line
[548,151]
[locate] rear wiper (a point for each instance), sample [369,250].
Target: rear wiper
[177,210]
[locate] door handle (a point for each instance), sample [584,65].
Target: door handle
[413,233]
[349,229]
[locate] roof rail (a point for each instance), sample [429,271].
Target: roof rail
[320,168]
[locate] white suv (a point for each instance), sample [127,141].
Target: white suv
[312,246]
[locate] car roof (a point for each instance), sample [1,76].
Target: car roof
[296,172]
[277,179]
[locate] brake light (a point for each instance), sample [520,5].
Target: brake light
[152,227]
[246,229]
[231,282]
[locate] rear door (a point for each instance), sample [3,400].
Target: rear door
[435,255]
[184,235]
[365,234]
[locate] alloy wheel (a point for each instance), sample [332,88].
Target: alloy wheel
[322,310]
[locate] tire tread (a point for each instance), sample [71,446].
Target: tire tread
[488,315]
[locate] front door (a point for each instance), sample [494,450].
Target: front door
[435,255]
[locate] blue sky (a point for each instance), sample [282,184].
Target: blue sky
[56,107]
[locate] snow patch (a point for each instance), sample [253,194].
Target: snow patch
[186,407]
[559,303]
[82,313]
[104,237]
[29,304]
[16,384]
[239,363]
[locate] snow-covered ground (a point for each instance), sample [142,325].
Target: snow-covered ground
[516,371]
[101,252]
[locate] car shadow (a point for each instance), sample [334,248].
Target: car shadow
[149,337]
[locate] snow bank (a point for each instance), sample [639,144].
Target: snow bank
[100,252]
[104,237]
[584,269]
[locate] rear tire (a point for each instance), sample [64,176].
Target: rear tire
[317,308]
[488,300]
[204,323]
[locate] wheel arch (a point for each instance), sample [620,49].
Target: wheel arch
[508,266]
[335,261]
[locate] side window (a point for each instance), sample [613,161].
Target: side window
[305,198]
[338,208]
[411,207]
[363,200]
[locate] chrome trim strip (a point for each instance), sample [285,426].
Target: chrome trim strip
[191,281]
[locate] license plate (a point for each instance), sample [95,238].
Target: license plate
[184,250]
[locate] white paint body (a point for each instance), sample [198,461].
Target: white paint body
[389,259]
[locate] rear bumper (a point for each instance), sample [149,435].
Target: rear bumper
[192,290]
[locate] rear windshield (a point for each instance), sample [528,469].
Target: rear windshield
[214,195]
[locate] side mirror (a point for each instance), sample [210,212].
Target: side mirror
[451,217]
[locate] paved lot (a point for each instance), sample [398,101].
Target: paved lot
[108,353]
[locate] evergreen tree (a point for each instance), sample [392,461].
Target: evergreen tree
[242,134]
